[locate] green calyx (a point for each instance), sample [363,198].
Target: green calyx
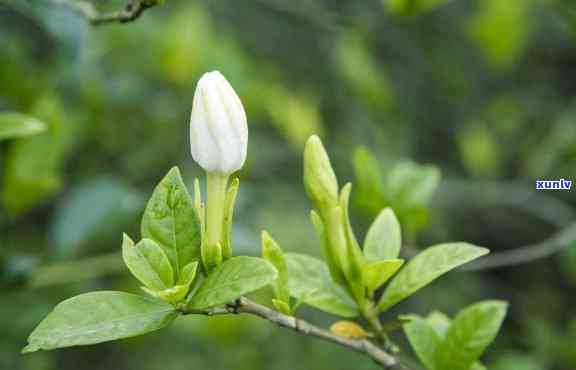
[216,218]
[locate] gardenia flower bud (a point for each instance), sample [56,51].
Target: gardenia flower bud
[319,177]
[218,129]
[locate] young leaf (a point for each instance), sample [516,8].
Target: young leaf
[384,239]
[424,341]
[282,307]
[99,317]
[310,282]
[188,273]
[272,253]
[374,274]
[148,263]
[471,331]
[170,220]
[228,215]
[425,267]
[15,125]
[232,279]
[439,321]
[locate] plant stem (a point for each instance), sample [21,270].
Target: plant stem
[243,305]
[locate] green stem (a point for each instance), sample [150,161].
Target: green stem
[215,202]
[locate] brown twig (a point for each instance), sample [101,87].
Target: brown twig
[131,11]
[243,305]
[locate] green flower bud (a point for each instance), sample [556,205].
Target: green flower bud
[319,179]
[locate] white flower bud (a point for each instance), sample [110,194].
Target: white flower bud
[218,129]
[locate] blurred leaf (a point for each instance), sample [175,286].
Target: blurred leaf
[32,172]
[424,341]
[369,180]
[362,71]
[412,185]
[480,150]
[426,267]
[413,7]
[232,279]
[471,331]
[296,115]
[148,263]
[110,202]
[517,361]
[384,239]
[15,125]
[496,18]
[170,220]
[99,317]
[310,282]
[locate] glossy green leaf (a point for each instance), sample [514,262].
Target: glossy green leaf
[377,273]
[384,238]
[148,263]
[309,281]
[14,125]
[99,317]
[232,279]
[272,253]
[170,220]
[424,341]
[471,331]
[425,267]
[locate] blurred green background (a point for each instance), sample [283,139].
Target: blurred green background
[401,91]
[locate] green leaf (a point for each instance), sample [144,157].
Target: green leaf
[14,125]
[439,321]
[425,267]
[384,238]
[374,274]
[309,281]
[171,221]
[272,253]
[99,317]
[31,173]
[148,263]
[471,331]
[188,273]
[232,279]
[424,341]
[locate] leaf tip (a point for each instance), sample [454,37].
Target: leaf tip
[29,349]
